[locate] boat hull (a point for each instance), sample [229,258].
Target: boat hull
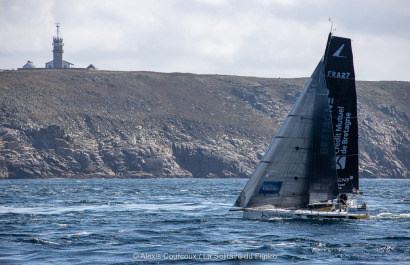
[274,214]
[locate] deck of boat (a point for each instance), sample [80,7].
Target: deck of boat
[272,214]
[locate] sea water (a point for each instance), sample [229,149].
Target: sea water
[187,221]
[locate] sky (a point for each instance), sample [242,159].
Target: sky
[261,38]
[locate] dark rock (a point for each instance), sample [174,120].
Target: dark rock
[141,124]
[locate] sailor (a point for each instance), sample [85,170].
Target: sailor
[342,198]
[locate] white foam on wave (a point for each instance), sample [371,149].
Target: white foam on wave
[83,233]
[39,241]
[49,209]
[391,216]
[283,244]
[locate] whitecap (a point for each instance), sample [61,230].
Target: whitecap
[39,241]
[283,244]
[80,233]
[391,216]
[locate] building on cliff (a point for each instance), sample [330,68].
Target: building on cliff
[29,65]
[58,62]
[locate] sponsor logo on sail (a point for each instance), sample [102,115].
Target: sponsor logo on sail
[270,187]
[342,131]
[337,53]
[343,181]
[340,162]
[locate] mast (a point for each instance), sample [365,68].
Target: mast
[323,182]
[58,32]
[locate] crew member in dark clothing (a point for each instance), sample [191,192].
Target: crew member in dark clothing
[343,198]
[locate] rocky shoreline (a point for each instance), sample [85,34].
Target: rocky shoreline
[102,124]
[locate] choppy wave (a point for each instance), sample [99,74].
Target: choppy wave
[129,221]
[34,240]
[391,216]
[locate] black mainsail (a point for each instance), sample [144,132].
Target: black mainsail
[340,81]
[313,157]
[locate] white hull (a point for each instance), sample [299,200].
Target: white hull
[272,214]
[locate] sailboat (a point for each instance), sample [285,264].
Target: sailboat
[311,168]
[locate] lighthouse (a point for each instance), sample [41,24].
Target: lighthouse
[57,62]
[58,50]
[58,44]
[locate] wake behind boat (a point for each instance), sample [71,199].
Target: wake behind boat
[311,168]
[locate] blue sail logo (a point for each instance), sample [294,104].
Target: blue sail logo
[340,162]
[270,187]
[337,53]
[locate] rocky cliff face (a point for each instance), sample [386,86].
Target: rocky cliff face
[141,124]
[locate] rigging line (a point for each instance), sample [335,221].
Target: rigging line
[302,117]
[349,155]
[288,137]
[328,44]
[318,94]
[331,25]
[284,163]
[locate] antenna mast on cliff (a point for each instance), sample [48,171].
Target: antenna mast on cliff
[58,32]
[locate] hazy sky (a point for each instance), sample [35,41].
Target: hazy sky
[264,38]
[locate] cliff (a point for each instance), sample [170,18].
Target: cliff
[57,123]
